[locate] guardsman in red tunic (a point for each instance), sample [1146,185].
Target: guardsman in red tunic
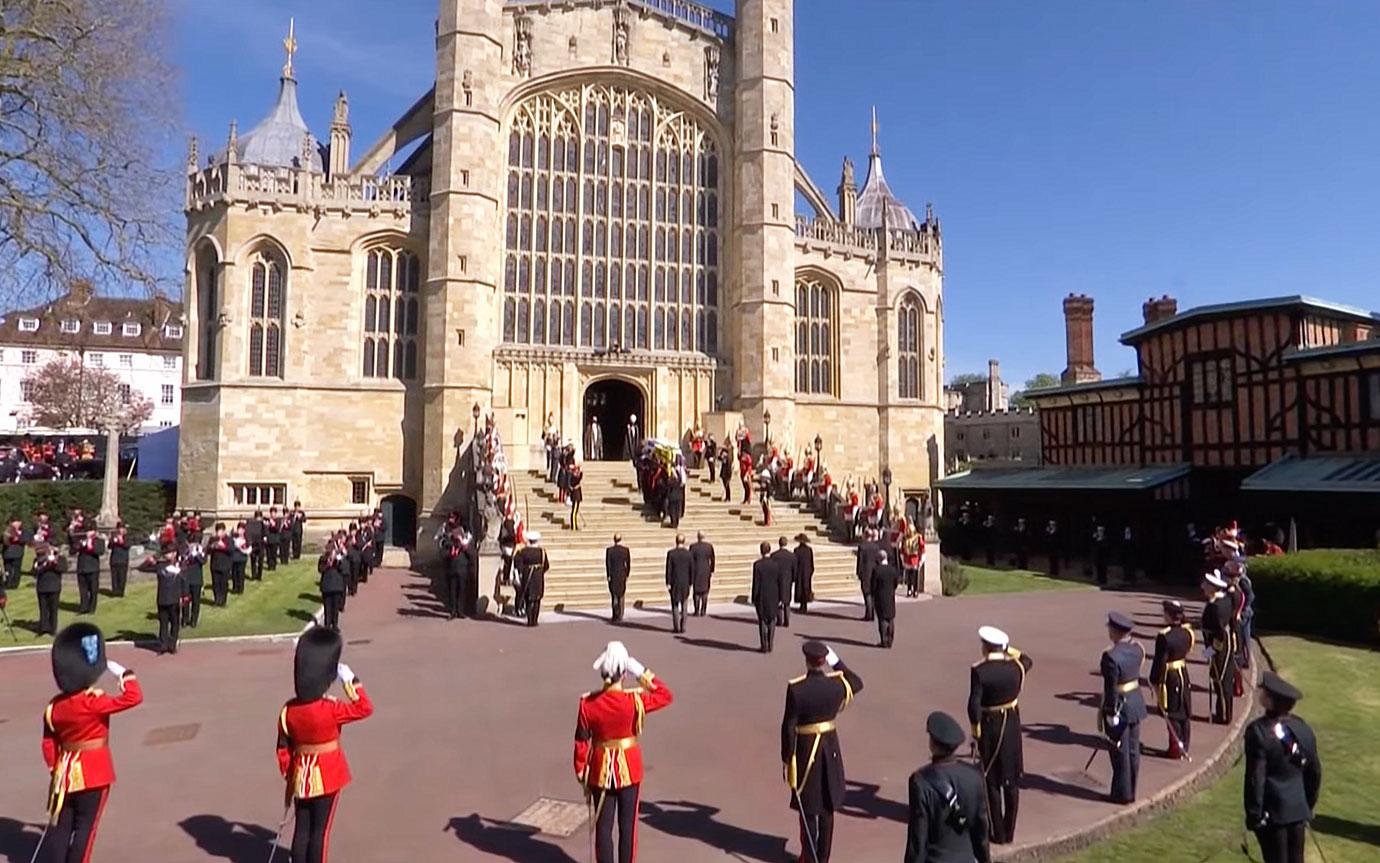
[309,753]
[76,741]
[608,760]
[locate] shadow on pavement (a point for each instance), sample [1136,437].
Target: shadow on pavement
[696,821]
[1062,735]
[230,840]
[860,800]
[1036,782]
[715,644]
[837,639]
[17,840]
[506,840]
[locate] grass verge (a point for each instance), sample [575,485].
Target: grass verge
[1342,700]
[984,580]
[283,602]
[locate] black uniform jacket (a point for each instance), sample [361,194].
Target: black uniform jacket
[814,761]
[89,561]
[994,692]
[1280,788]
[933,834]
[1169,671]
[193,559]
[678,566]
[702,556]
[804,571]
[254,532]
[171,584]
[1217,623]
[48,575]
[330,565]
[785,572]
[533,565]
[766,590]
[884,580]
[221,550]
[119,549]
[617,567]
[457,555]
[867,562]
[1120,669]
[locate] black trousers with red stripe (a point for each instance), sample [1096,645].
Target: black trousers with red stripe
[816,836]
[616,806]
[311,834]
[71,839]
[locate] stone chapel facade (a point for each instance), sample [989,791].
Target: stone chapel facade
[592,213]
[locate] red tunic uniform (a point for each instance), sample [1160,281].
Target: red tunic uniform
[76,738]
[606,751]
[309,753]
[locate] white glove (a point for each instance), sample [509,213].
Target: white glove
[345,673]
[115,668]
[1113,720]
[831,658]
[635,668]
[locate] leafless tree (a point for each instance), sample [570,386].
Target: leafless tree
[87,111]
[65,393]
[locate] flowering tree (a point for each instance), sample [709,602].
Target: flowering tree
[65,393]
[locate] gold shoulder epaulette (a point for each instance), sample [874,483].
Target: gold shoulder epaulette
[795,680]
[1166,630]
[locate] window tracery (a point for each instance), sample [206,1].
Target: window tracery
[816,326]
[267,300]
[392,312]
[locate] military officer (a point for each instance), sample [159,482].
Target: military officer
[867,553]
[1219,642]
[1169,676]
[168,599]
[884,580]
[532,564]
[1123,705]
[702,565]
[617,568]
[765,596]
[947,821]
[810,752]
[785,577]
[804,572]
[679,573]
[1283,773]
[994,694]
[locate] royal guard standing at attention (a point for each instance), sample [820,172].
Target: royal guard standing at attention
[994,694]
[810,753]
[309,753]
[1219,642]
[76,741]
[608,757]
[1123,705]
[1169,676]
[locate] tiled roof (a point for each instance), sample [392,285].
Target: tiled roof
[1337,310]
[1329,473]
[1065,478]
[152,316]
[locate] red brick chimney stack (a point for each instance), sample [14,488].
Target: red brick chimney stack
[1078,327]
[1157,310]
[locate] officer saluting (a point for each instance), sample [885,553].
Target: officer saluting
[1169,676]
[1123,706]
[994,694]
[948,819]
[810,752]
[1283,773]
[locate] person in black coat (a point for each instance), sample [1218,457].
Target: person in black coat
[89,548]
[766,592]
[240,551]
[171,587]
[254,531]
[355,560]
[702,566]
[285,528]
[15,541]
[679,574]
[867,563]
[885,577]
[193,576]
[455,549]
[994,693]
[119,559]
[48,569]
[532,565]
[810,753]
[726,465]
[298,524]
[1283,773]
[1169,676]
[804,572]
[1219,638]
[785,575]
[1123,705]
[947,820]
[273,538]
[617,568]
[221,551]
[331,565]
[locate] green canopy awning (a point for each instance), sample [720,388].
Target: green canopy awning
[1328,474]
[1064,478]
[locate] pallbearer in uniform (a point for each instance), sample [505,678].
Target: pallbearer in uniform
[1283,773]
[608,757]
[811,758]
[702,559]
[1123,705]
[617,568]
[947,821]
[1169,676]
[994,694]
[76,741]
[119,559]
[309,753]
[1219,643]
[532,564]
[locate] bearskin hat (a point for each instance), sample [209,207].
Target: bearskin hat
[314,666]
[78,657]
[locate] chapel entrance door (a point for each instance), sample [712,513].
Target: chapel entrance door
[611,402]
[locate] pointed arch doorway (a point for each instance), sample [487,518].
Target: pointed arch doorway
[611,401]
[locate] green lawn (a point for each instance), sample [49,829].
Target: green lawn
[282,602]
[982,580]
[1342,702]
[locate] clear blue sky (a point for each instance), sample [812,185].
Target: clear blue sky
[1212,151]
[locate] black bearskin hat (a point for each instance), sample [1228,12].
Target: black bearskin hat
[78,657]
[314,667]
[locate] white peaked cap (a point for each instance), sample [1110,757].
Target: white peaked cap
[533,537]
[992,635]
[613,661]
[1215,579]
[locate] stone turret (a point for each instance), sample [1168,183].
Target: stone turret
[878,206]
[340,137]
[848,194]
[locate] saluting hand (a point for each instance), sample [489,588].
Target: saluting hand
[831,658]
[635,668]
[115,668]
[345,673]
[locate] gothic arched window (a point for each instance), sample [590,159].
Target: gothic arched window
[267,301]
[910,341]
[816,331]
[392,312]
[604,153]
[208,311]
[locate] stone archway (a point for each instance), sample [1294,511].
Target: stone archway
[611,401]
[400,520]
